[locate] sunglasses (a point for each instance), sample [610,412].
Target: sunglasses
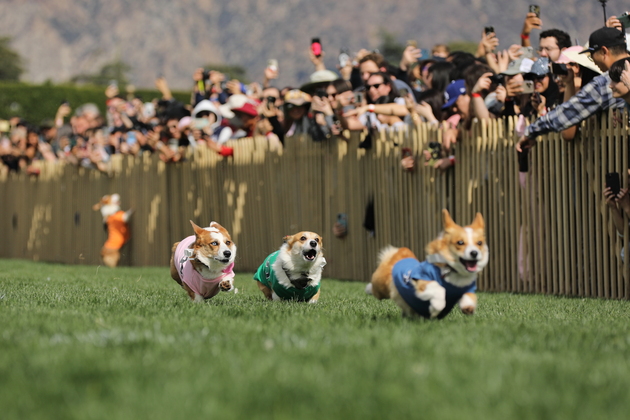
[375,86]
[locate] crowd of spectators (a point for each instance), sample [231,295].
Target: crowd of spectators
[556,85]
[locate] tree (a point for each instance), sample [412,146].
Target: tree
[11,65]
[116,70]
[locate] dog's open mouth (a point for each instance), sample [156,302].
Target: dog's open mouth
[310,254]
[469,265]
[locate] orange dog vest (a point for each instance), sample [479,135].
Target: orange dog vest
[117,230]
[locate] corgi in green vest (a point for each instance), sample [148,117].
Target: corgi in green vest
[294,272]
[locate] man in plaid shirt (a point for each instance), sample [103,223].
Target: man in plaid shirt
[606,45]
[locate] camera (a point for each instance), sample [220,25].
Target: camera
[533,8]
[206,74]
[559,69]
[624,19]
[497,79]
[488,30]
[320,93]
[271,100]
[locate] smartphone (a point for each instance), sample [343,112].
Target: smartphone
[533,8]
[612,181]
[528,86]
[497,79]
[272,64]
[488,29]
[412,43]
[559,69]
[131,137]
[624,18]
[358,97]
[316,47]
[344,58]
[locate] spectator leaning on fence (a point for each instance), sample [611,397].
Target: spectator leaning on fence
[606,45]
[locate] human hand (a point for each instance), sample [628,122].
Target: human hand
[318,62]
[514,87]
[410,55]
[356,111]
[623,199]
[483,83]
[216,77]
[625,75]
[525,143]
[613,22]
[425,111]
[233,86]
[362,53]
[489,42]
[503,60]
[63,111]
[111,90]
[514,51]
[408,163]
[501,93]
[321,105]
[531,22]
[538,102]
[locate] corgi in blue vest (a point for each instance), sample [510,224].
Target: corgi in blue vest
[431,289]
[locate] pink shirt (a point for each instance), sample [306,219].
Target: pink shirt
[187,273]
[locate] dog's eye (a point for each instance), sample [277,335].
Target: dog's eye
[316,239]
[479,243]
[460,243]
[228,243]
[303,238]
[215,243]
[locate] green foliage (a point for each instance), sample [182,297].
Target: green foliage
[11,65]
[82,342]
[232,71]
[390,47]
[114,71]
[35,103]
[466,46]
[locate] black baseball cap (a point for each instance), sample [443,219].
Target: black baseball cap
[605,37]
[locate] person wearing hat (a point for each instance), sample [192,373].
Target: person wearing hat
[546,92]
[296,107]
[606,45]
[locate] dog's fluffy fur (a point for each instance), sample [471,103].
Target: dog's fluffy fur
[116,223]
[460,253]
[298,266]
[210,253]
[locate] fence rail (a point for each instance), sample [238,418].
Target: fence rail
[549,230]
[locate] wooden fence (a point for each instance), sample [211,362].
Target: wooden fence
[549,231]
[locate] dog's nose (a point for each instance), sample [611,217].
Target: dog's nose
[227,254]
[314,244]
[474,254]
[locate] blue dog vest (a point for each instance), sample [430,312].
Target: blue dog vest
[410,268]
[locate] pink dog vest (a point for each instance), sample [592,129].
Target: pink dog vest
[187,273]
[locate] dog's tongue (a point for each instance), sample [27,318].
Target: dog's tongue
[470,265]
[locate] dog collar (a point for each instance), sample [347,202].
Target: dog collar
[440,261]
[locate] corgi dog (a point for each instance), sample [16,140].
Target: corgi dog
[431,288]
[203,263]
[294,272]
[116,222]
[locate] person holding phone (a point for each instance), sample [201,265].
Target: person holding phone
[606,45]
[617,200]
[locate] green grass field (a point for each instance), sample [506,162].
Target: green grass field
[79,342]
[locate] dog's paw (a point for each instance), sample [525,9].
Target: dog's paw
[226,285]
[468,310]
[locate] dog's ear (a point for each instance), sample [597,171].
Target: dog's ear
[285,239]
[198,230]
[478,223]
[447,222]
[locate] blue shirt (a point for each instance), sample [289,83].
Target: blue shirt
[410,268]
[595,96]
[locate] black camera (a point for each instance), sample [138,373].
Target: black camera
[559,69]
[497,79]
[206,74]
[320,93]
[271,100]
[488,29]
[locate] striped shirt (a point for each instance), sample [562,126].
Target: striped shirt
[596,96]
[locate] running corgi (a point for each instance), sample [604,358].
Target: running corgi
[431,288]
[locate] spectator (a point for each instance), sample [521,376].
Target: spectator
[606,45]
